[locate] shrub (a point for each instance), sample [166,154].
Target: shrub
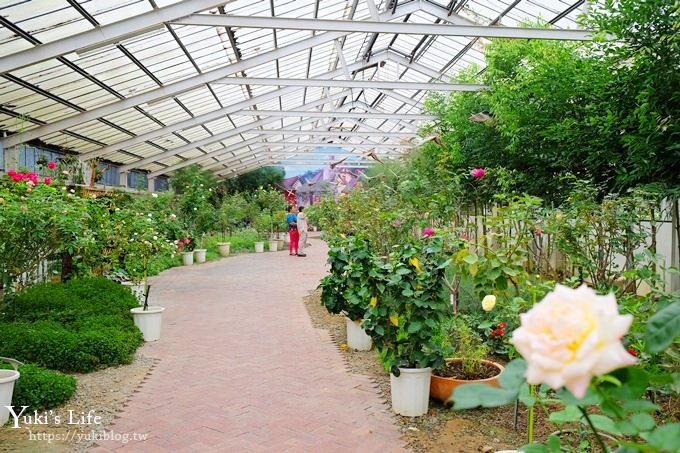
[79,326]
[49,344]
[42,389]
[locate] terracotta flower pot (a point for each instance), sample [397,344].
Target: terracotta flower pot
[441,388]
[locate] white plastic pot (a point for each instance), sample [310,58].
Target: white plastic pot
[149,321]
[188,258]
[357,338]
[7,378]
[273,245]
[411,391]
[200,255]
[223,248]
[281,245]
[259,247]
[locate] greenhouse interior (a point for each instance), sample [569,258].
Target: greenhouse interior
[485,195]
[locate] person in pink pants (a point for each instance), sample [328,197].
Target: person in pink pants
[291,218]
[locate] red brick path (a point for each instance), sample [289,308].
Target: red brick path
[241,368]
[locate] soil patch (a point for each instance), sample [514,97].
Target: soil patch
[456,370]
[101,393]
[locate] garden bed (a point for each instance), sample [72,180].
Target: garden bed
[483,430]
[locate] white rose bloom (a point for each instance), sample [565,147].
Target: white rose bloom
[571,336]
[155,195]
[489,302]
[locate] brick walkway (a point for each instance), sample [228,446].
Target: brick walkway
[242,368]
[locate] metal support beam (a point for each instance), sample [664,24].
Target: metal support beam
[338,145]
[360,115]
[373,26]
[105,34]
[174,89]
[350,83]
[332,133]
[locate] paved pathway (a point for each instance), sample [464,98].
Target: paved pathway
[242,368]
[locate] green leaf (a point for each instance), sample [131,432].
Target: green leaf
[627,427]
[666,438]
[513,375]
[663,328]
[640,406]
[566,415]
[603,423]
[643,422]
[414,326]
[554,444]
[471,259]
[469,396]
[634,383]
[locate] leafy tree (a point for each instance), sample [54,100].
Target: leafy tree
[262,177]
[641,106]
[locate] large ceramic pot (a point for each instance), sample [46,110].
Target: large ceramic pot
[7,378]
[223,248]
[441,388]
[273,245]
[148,321]
[259,247]
[188,258]
[200,255]
[357,338]
[410,391]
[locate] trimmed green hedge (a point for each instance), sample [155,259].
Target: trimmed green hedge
[41,389]
[78,326]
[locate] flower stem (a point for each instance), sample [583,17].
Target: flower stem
[600,442]
[530,434]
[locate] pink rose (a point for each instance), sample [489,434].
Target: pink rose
[51,165]
[12,173]
[478,173]
[571,336]
[428,232]
[48,180]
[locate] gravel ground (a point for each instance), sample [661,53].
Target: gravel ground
[101,393]
[440,430]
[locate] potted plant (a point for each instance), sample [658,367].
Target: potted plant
[201,250]
[349,288]
[262,224]
[468,365]
[403,320]
[144,242]
[232,212]
[184,247]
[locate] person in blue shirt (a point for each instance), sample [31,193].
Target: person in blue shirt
[293,234]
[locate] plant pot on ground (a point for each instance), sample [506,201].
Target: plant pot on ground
[7,380]
[403,320]
[224,248]
[470,366]
[347,288]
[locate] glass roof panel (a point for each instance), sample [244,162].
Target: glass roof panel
[106,12]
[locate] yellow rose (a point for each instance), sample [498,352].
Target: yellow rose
[394,320]
[489,302]
[374,301]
